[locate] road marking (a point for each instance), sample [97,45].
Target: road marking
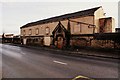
[23,53]
[59,62]
[80,77]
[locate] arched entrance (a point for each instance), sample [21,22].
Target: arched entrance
[60,42]
[59,36]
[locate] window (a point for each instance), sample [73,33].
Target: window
[24,32]
[37,31]
[47,30]
[77,28]
[30,31]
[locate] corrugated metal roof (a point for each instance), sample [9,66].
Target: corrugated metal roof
[87,12]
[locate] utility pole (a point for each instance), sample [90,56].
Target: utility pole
[68,33]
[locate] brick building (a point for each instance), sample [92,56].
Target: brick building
[69,29]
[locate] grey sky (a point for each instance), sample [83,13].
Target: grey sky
[119,14]
[16,14]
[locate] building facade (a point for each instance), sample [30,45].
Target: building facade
[67,30]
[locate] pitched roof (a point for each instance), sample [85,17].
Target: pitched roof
[87,12]
[59,26]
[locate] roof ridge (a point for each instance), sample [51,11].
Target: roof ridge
[64,16]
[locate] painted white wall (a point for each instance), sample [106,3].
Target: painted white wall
[24,41]
[47,41]
[98,14]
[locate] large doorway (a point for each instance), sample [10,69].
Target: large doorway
[59,36]
[60,42]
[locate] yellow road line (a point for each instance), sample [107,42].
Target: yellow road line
[82,77]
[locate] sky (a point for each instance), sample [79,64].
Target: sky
[14,14]
[119,14]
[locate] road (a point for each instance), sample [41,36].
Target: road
[21,62]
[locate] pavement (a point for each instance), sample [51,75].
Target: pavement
[29,62]
[84,52]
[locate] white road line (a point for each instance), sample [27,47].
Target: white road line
[59,62]
[23,53]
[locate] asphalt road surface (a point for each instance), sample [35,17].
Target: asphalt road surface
[21,62]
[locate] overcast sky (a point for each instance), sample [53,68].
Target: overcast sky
[13,15]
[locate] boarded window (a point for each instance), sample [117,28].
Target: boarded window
[30,31]
[77,28]
[24,32]
[47,30]
[37,31]
[105,25]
